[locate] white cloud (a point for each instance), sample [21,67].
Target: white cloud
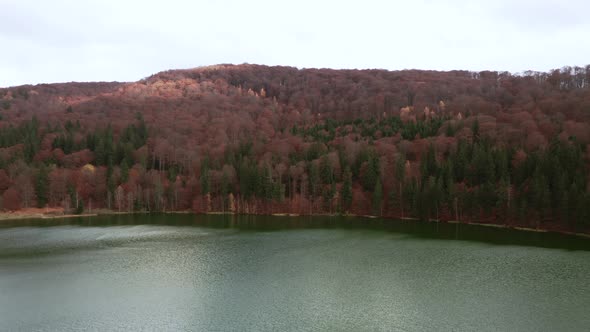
[60,40]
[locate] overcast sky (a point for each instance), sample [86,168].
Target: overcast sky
[107,40]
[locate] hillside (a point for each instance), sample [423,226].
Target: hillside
[482,147]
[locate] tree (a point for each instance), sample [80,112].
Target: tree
[74,200]
[400,176]
[4,180]
[489,146]
[57,186]
[110,182]
[410,196]
[42,186]
[371,173]
[436,195]
[119,197]
[124,171]
[326,172]
[475,130]
[225,190]
[205,184]
[461,160]
[32,139]
[11,199]
[159,203]
[429,166]
[79,208]
[347,189]
[378,198]
[26,188]
[314,180]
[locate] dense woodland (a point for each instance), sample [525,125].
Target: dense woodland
[489,147]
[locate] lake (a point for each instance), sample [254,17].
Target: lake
[246,273]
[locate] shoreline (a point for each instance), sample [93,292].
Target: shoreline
[12,216]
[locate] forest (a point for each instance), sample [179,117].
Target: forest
[484,147]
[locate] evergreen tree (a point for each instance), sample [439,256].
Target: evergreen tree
[99,152]
[225,184]
[205,185]
[410,196]
[573,196]
[397,198]
[486,197]
[326,172]
[109,146]
[371,175]
[314,180]
[400,169]
[327,195]
[110,181]
[32,139]
[501,159]
[482,166]
[475,130]
[347,189]
[504,199]
[267,186]
[158,195]
[124,171]
[79,208]
[377,197]
[73,197]
[459,160]
[429,166]
[438,196]
[42,185]
[342,157]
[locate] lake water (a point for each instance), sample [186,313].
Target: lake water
[220,273]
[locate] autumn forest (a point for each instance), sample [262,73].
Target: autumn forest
[485,147]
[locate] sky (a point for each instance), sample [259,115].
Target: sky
[118,40]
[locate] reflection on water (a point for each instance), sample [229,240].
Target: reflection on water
[202,273]
[272,223]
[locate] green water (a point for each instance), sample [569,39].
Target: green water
[219,273]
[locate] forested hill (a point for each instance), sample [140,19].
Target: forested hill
[471,146]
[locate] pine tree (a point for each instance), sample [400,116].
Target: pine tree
[429,166]
[110,182]
[79,207]
[400,176]
[371,174]
[124,171]
[377,197]
[32,139]
[205,185]
[347,190]
[475,130]
[459,160]
[314,179]
[268,187]
[326,172]
[410,196]
[225,189]
[42,185]
[99,152]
